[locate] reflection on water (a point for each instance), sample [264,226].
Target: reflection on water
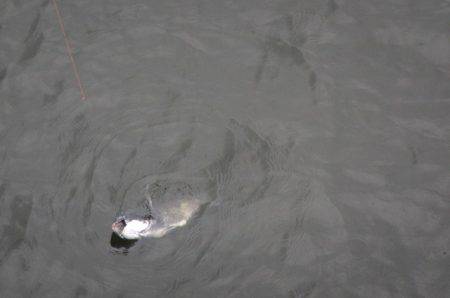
[121,245]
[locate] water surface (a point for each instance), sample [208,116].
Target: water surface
[317,133]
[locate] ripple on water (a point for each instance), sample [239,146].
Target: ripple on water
[242,176]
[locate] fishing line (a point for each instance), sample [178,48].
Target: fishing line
[69,50]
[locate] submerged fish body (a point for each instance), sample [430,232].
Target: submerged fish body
[156,221]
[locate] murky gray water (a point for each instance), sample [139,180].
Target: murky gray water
[317,132]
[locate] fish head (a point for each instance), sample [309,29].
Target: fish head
[119,225]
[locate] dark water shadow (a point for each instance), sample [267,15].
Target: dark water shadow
[13,234]
[120,245]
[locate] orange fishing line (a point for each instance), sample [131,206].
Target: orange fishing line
[69,50]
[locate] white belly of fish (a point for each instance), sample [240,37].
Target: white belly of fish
[135,228]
